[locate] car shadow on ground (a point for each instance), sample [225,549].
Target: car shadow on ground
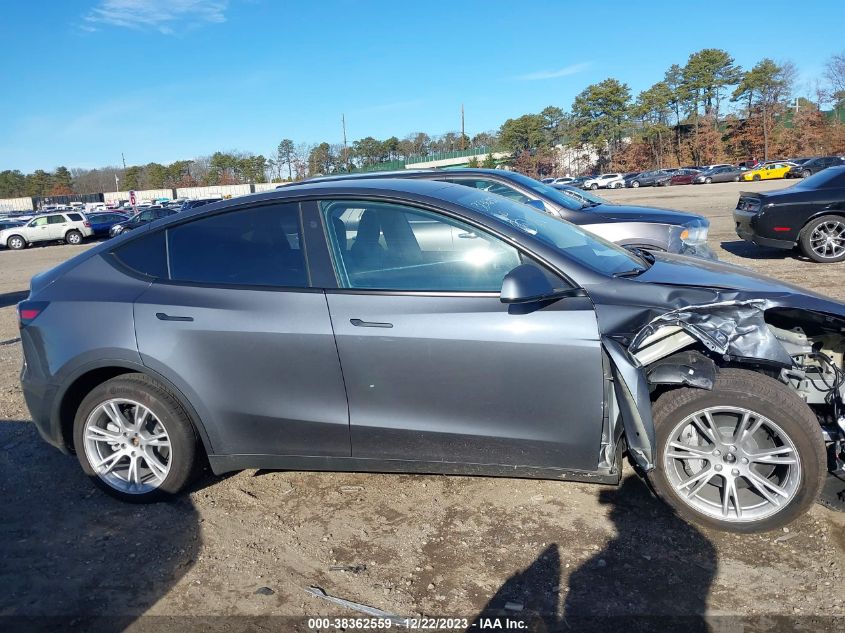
[655,574]
[747,250]
[73,558]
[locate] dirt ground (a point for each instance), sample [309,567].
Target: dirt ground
[251,543]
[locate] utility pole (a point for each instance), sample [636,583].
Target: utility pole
[345,148]
[124,160]
[463,144]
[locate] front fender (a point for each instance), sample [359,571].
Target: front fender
[632,395]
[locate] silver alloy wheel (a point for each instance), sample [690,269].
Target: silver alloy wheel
[127,446]
[15,242]
[73,238]
[732,464]
[828,239]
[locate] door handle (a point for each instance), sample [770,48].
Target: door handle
[360,323]
[161,316]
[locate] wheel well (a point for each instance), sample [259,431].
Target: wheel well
[76,393]
[838,212]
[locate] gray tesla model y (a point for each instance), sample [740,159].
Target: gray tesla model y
[421,326]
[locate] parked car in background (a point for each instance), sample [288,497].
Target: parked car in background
[722,173]
[748,164]
[684,176]
[578,181]
[71,227]
[139,219]
[810,215]
[198,202]
[8,223]
[714,166]
[604,181]
[768,171]
[101,223]
[795,172]
[625,225]
[813,166]
[565,180]
[653,178]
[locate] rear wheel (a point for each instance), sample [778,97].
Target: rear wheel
[73,237]
[134,439]
[736,178]
[823,239]
[16,242]
[747,456]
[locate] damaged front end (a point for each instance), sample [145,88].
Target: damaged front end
[686,347]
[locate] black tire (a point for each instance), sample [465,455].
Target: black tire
[16,242]
[184,444]
[73,237]
[594,186]
[807,231]
[708,180]
[756,177]
[635,184]
[765,396]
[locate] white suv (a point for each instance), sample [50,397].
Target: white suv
[70,226]
[610,181]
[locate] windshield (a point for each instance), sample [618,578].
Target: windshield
[574,242]
[547,191]
[824,179]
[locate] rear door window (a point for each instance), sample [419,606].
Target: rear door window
[256,246]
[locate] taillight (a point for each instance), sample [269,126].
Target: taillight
[87,224]
[28,311]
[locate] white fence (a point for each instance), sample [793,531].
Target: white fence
[16,204]
[147,194]
[224,191]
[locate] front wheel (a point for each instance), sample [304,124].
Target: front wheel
[747,456]
[594,186]
[708,180]
[756,177]
[134,440]
[805,173]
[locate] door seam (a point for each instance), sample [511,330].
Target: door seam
[342,376]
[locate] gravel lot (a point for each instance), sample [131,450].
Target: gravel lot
[249,544]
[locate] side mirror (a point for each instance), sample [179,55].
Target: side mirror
[528,284]
[537,204]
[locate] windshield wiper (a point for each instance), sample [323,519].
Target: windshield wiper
[630,273]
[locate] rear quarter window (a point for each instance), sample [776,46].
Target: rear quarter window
[146,255]
[74,217]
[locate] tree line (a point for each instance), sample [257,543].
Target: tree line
[708,110]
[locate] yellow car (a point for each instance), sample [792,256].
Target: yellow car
[769,171]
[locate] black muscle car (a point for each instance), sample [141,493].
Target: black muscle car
[809,215]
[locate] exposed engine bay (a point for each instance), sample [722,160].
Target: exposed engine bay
[803,349]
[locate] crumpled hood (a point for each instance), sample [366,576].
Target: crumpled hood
[630,213]
[678,270]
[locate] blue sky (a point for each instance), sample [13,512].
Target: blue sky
[161,80]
